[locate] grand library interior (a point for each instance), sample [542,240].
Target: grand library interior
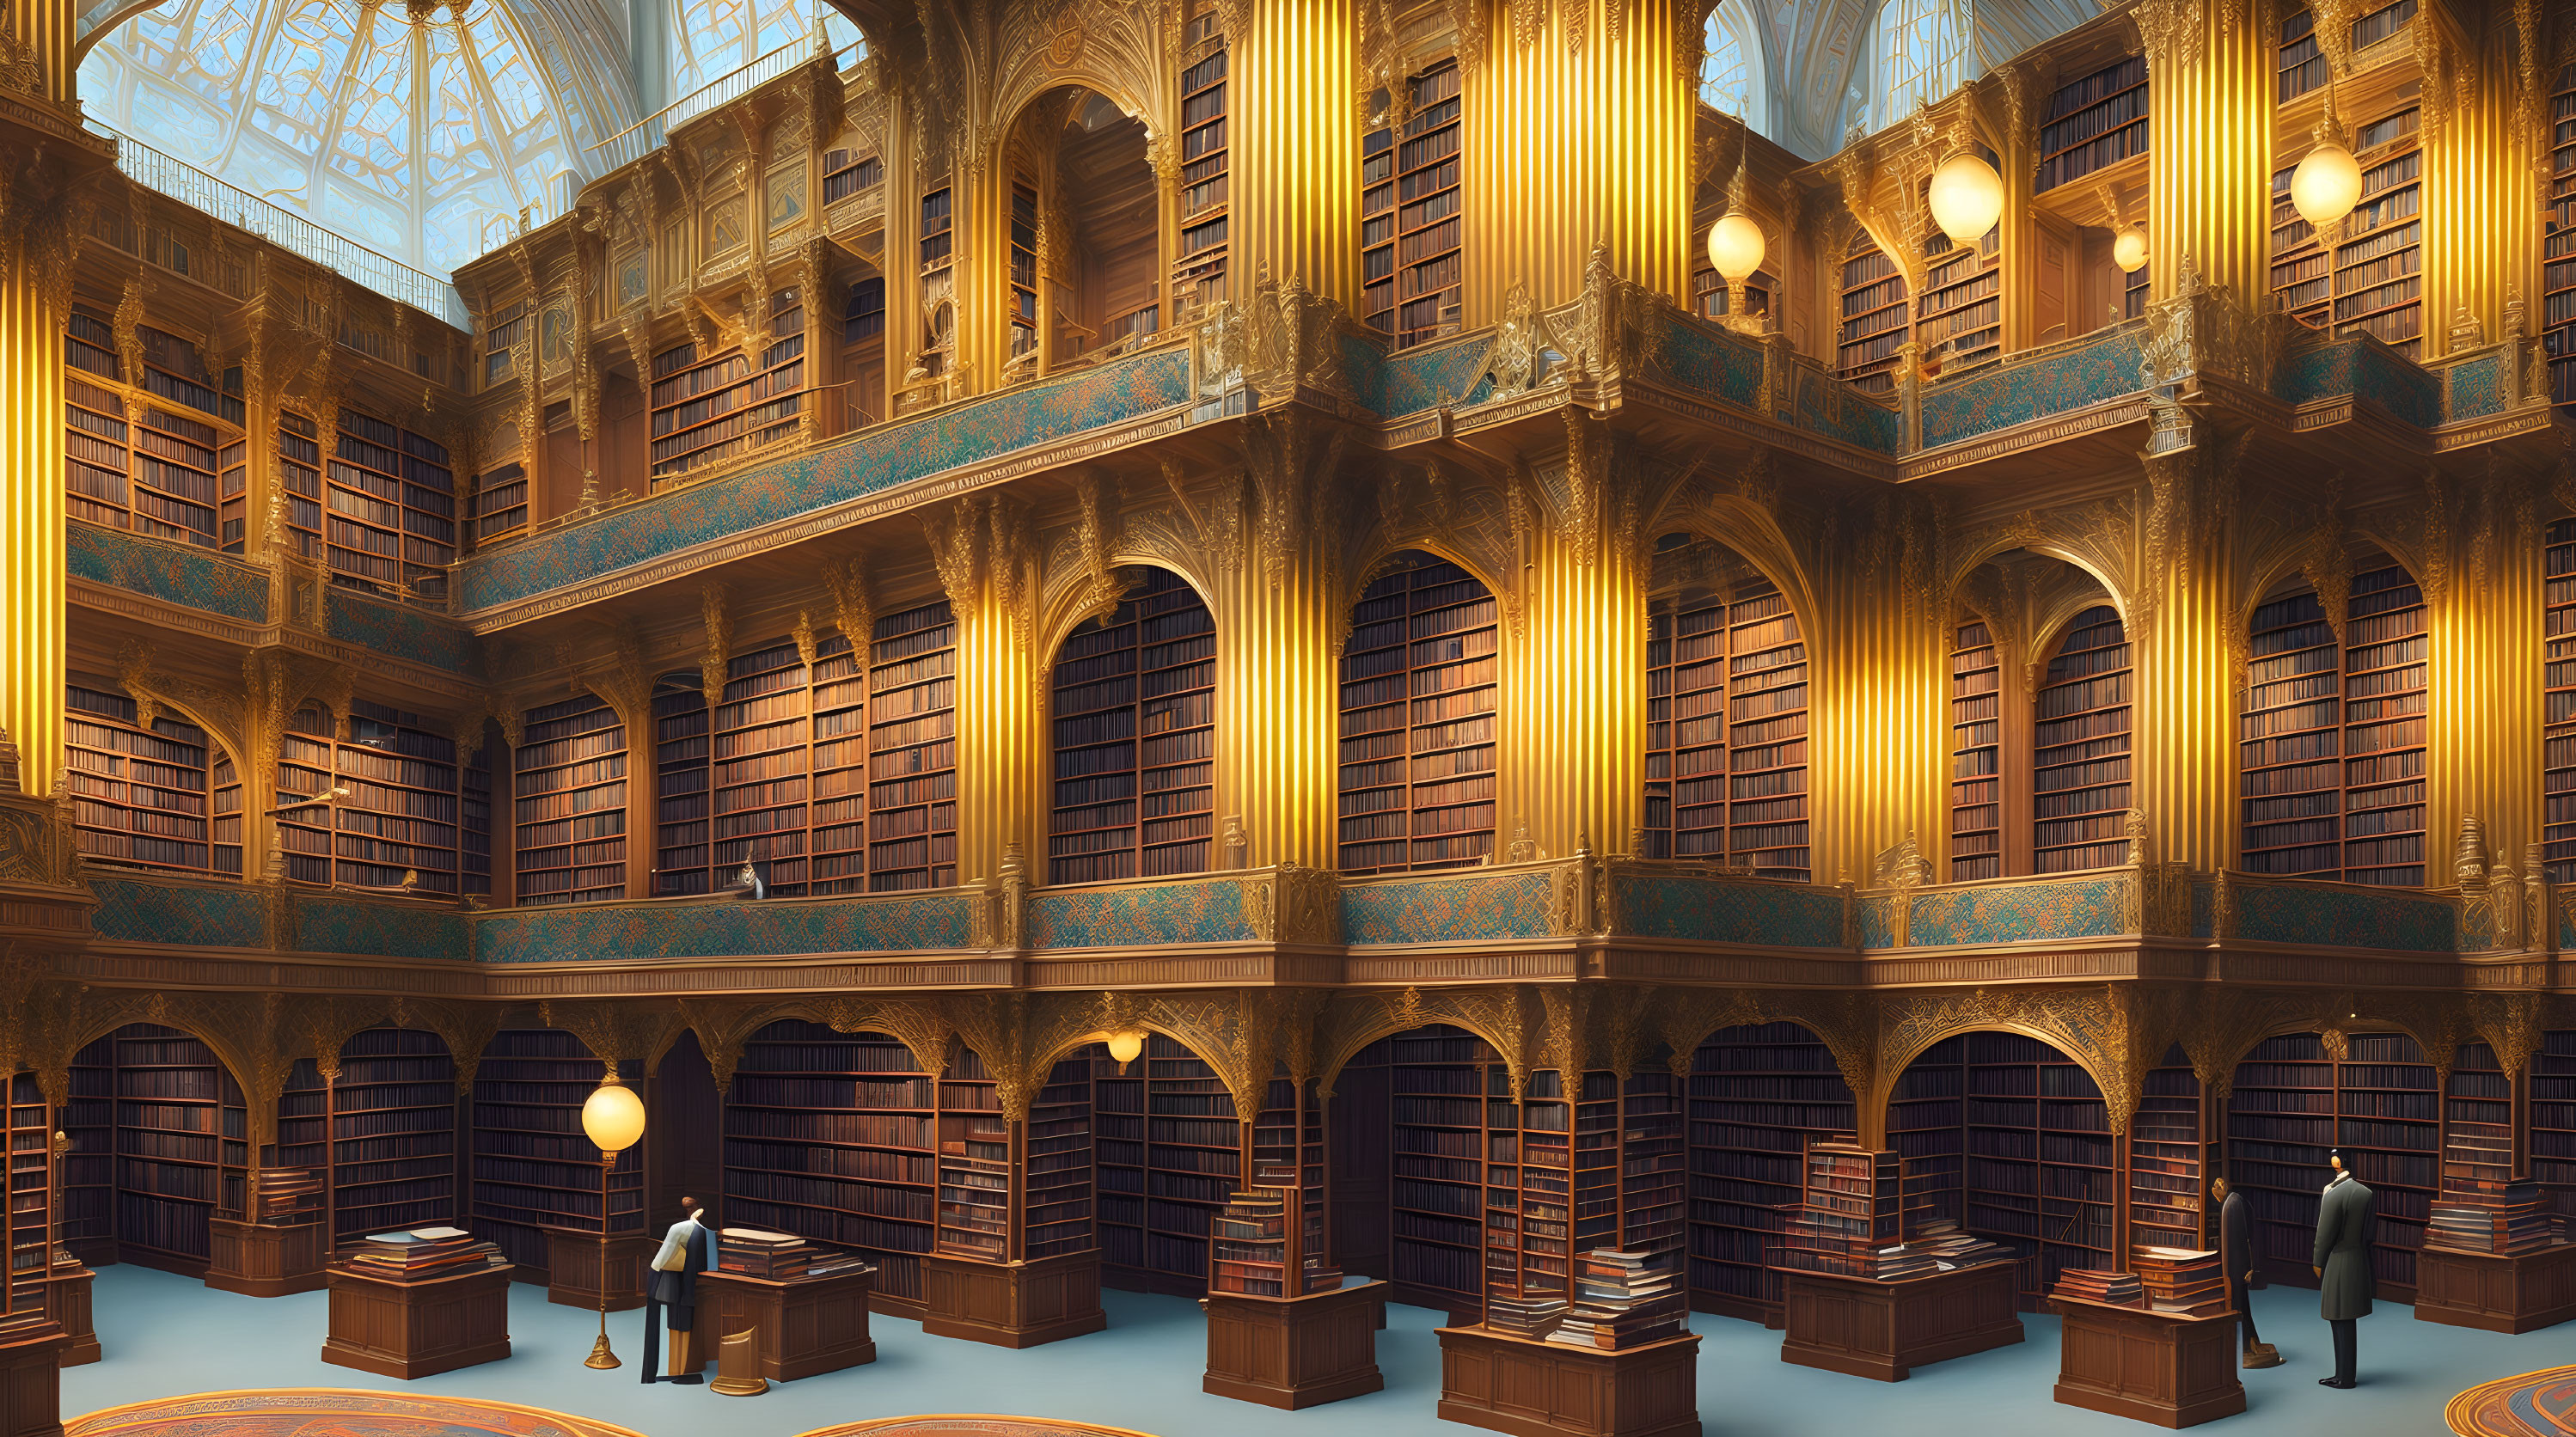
[721,699]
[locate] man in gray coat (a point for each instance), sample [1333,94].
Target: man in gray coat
[2347,1220]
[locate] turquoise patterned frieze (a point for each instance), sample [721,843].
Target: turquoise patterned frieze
[2204,910]
[1209,911]
[2315,369]
[2017,912]
[2327,916]
[1411,381]
[329,924]
[2474,388]
[1727,910]
[402,632]
[629,932]
[880,459]
[182,574]
[189,915]
[1712,362]
[2401,387]
[1821,404]
[2035,386]
[1878,920]
[1448,909]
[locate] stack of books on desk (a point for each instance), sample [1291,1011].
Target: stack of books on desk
[419,1253]
[778,1256]
[287,1196]
[2120,1289]
[2506,1222]
[2181,1280]
[1950,1247]
[1526,1316]
[1621,1302]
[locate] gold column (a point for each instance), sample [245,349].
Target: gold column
[2181,622]
[2481,237]
[1878,767]
[2483,587]
[1578,132]
[981,548]
[1296,181]
[2209,144]
[1282,610]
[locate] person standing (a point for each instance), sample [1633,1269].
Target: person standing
[2236,1254]
[2347,1221]
[672,1295]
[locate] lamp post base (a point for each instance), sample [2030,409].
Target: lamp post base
[600,1355]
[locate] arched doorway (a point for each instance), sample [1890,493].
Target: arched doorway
[1085,274]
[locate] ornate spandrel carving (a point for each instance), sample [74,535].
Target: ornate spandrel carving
[2512,1026]
[617,1032]
[1294,905]
[2098,1027]
[1505,1017]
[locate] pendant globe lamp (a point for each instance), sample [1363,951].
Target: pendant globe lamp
[1966,197]
[2129,248]
[1735,244]
[612,1117]
[2327,183]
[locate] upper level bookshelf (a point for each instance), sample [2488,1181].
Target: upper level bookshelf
[1417,726]
[1199,271]
[500,502]
[2558,701]
[569,804]
[391,499]
[1713,298]
[912,750]
[2558,240]
[1412,269]
[1134,730]
[1758,1096]
[145,451]
[1976,754]
[1874,317]
[2080,747]
[710,410]
[2093,123]
[409,809]
[1958,317]
[774,774]
[1726,725]
[163,798]
[2292,1102]
[535,1172]
[2379,265]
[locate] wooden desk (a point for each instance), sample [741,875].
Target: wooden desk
[807,1326]
[1294,1352]
[2157,1367]
[1532,1388]
[31,1384]
[1884,1330]
[581,1266]
[259,1259]
[1011,1304]
[415,1329]
[67,1294]
[2496,1294]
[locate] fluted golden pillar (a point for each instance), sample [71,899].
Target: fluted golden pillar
[2209,144]
[1578,134]
[1296,147]
[1879,675]
[985,561]
[1282,614]
[2483,588]
[2180,617]
[2481,237]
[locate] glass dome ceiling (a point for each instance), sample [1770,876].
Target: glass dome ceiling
[418,130]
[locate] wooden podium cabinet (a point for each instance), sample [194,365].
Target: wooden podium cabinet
[67,1302]
[1884,1330]
[263,1260]
[581,1266]
[31,1383]
[2523,1293]
[1533,1388]
[2158,1367]
[1294,1352]
[415,1329]
[1011,1304]
[807,1326]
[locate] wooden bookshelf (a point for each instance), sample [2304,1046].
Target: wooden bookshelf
[850,172]
[1448,1129]
[1758,1095]
[2004,1135]
[178,1132]
[1958,317]
[1058,1213]
[2558,241]
[1024,278]
[569,803]
[2385,688]
[2300,278]
[2379,264]
[500,502]
[2552,1121]
[863,372]
[1417,721]
[149,798]
[2292,1103]
[303,1120]
[2299,61]
[1685,727]
[502,331]
[976,1167]
[709,410]
[2477,1113]
[392,503]
[1976,755]
[2173,1153]
[2383,22]
[299,477]
[834,1136]
[912,747]
[1199,271]
[88,1184]
[1411,222]
[1726,725]
[1713,298]
[405,812]
[2558,740]
[2287,740]
[130,459]
[393,1150]
[1288,1157]
[1134,729]
[1169,1155]
[535,1173]
[1654,1169]
[2080,746]
[2135,286]
[2093,123]
[31,1196]
[775,774]
[1874,317]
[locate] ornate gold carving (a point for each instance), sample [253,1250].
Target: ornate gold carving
[717,654]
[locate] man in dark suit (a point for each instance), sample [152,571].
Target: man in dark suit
[671,1293]
[2347,1220]
[2236,1254]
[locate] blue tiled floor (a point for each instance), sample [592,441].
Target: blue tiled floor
[167,1335]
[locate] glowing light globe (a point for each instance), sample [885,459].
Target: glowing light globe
[2326,185]
[1967,198]
[613,1117]
[2129,249]
[1735,247]
[1123,1047]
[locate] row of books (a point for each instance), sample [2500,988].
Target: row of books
[779,1256]
[1622,1299]
[418,1254]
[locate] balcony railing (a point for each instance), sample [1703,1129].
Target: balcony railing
[646,135]
[195,188]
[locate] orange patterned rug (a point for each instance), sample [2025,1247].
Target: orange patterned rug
[335,1411]
[970,1424]
[2536,1404]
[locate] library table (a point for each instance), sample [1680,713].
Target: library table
[807,1325]
[1863,1327]
[1534,1388]
[2158,1367]
[2522,1293]
[264,1259]
[403,1329]
[1011,1304]
[31,1383]
[1294,1352]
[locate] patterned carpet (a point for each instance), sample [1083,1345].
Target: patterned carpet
[969,1425]
[2535,1404]
[332,1412]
